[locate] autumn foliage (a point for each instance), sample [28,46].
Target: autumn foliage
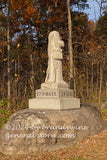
[30,23]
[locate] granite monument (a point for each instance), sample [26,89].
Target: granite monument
[54,93]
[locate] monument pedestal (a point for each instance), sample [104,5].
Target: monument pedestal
[54,99]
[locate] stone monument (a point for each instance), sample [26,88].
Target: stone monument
[54,93]
[33,129]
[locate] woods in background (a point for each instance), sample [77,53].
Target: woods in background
[24,29]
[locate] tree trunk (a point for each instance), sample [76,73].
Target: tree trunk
[8,50]
[87,81]
[18,75]
[32,75]
[100,3]
[100,87]
[70,43]
[97,79]
[92,79]
[50,10]
[15,82]
[75,93]
[25,94]
[106,91]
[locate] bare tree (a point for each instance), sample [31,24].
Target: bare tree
[8,48]
[101,4]
[70,43]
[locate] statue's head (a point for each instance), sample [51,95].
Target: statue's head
[54,36]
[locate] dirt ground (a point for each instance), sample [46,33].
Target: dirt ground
[92,148]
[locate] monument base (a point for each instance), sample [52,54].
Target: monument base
[54,104]
[54,99]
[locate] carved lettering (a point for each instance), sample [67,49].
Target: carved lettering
[66,94]
[49,94]
[42,94]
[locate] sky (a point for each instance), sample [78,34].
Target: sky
[93,11]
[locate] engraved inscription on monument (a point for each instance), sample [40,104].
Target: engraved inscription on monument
[46,94]
[66,93]
[54,93]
